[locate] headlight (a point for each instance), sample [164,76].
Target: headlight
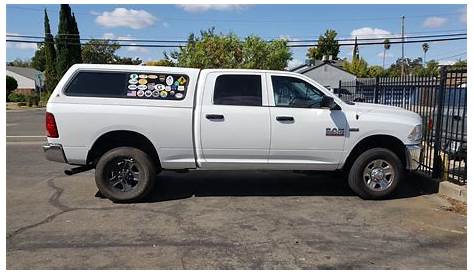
[415,134]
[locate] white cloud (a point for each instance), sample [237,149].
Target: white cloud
[20,45]
[368,32]
[131,47]
[206,7]
[446,62]
[294,63]
[108,35]
[463,17]
[165,24]
[121,17]
[435,22]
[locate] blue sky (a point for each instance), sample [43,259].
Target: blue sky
[267,21]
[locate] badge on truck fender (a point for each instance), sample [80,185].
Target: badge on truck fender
[334,131]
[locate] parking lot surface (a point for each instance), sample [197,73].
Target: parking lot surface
[217,220]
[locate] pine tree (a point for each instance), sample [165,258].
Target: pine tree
[355,51]
[76,40]
[50,56]
[68,48]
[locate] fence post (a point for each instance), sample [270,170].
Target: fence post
[376,95]
[438,161]
[339,90]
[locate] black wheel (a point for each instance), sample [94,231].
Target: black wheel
[125,174]
[375,174]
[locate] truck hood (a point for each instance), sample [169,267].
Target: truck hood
[384,110]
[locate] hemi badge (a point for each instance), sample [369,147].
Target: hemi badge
[356,129]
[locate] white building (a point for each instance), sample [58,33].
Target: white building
[327,73]
[29,80]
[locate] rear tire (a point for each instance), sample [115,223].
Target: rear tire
[375,174]
[125,174]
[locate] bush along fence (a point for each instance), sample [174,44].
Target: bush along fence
[440,101]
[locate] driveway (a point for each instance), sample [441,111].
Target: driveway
[217,220]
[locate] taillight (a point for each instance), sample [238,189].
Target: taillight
[51,129]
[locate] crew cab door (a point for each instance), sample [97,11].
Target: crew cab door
[303,135]
[234,121]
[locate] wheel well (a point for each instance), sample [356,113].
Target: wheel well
[120,138]
[382,141]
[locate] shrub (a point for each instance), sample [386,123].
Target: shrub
[11,85]
[16,97]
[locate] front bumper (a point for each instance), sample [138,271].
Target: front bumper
[413,156]
[54,152]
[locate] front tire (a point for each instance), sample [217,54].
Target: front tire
[125,174]
[375,174]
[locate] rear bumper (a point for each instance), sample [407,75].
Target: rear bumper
[54,152]
[413,154]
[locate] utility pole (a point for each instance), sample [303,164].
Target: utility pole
[403,45]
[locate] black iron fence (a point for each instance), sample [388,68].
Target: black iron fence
[440,101]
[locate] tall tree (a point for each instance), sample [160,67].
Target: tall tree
[76,40]
[355,51]
[327,46]
[425,48]
[386,46]
[211,50]
[66,41]
[49,56]
[100,52]
[38,61]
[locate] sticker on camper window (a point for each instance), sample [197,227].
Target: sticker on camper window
[169,80]
[157,86]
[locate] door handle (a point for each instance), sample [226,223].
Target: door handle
[214,116]
[285,119]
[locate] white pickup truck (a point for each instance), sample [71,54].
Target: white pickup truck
[131,122]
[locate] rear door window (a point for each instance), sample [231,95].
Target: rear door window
[238,89]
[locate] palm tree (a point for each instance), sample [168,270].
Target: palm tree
[386,46]
[425,48]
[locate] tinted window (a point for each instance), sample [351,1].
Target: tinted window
[110,84]
[159,86]
[294,92]
[242,90]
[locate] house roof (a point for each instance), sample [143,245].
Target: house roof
[30,73]
[336,64]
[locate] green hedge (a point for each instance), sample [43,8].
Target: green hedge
[15,97]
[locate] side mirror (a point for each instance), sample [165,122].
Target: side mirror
[328,102]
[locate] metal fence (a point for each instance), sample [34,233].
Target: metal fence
[440,101]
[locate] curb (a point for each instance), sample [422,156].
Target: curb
[445,188]
[453,191]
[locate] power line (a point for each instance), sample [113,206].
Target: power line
[300,45]
[456,55]
[290,41]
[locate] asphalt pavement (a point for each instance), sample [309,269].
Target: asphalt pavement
[216,220]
